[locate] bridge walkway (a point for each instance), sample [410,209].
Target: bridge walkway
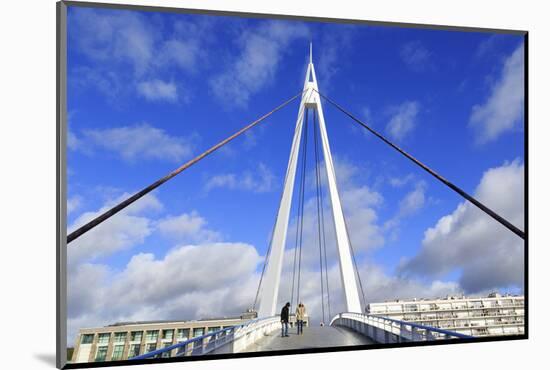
[313,337]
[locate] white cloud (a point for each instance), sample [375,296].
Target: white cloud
[416,56]
[398,182]
[157,90]
[360,204]
[114,36]
[74,143]
[257,63]
[122,231]
[141,141]
[126,51]
[487,255]
[250,139]
[503,110]
[184,54]
[487,46]
[378,286]
[187,46]
[414,200]
[187,228]
[228,180]
[329,64]
[367,114]
[347,173]
[184,284]
[82,293]
[261,181]
[106,81]
[409,205]
[403,120]
[328,54]
[162,278]
[72,140]
[73,203]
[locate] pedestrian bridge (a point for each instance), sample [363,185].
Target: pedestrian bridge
[313,337]
[264,334]
[346,329]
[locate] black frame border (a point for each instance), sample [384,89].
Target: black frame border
[61,186]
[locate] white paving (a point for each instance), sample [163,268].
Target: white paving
[313,337]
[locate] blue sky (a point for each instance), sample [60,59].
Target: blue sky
[148,91]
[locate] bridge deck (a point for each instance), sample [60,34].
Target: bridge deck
[313,337]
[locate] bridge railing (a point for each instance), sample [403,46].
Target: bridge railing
[385,330]
[230,339]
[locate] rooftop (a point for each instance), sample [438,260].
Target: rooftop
[123,323]
[452,297]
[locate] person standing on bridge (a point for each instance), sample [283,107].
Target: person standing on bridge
[300,316]
[284,319]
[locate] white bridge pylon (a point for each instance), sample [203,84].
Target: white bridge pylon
[270,287]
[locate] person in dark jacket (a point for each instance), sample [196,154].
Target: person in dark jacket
[284,319]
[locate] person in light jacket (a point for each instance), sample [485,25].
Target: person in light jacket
[284,319]
[300,316]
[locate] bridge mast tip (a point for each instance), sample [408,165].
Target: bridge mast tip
[310,52]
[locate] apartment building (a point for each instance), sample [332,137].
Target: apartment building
[493,315]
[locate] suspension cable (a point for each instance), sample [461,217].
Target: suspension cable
[303,185]
[318,186]
[326,269]
[302,191]
[458,190]
[268,253]
[323,229]
[295,257]
[125,203]
[299,216]
[356,267]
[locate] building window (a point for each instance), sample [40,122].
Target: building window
[168,334]
[213,329]
[101,354]
[103,338]
[476,304]
[152,335]
[120,337]
[197,332]
[117,352]
[183,334]
[136,336]
[133,351]
[167,353]
[87,339]
[151,347]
